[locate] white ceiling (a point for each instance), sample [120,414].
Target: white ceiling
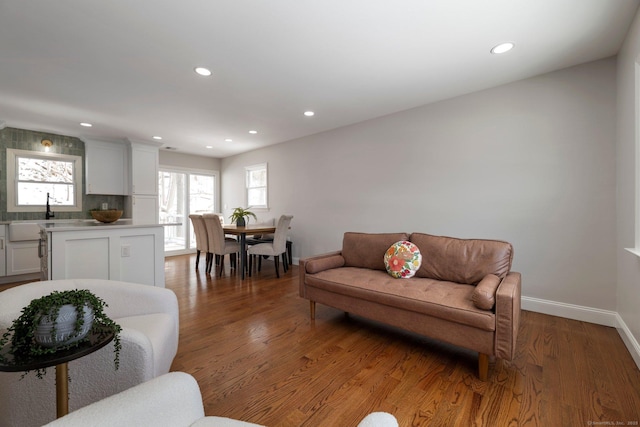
[127,65]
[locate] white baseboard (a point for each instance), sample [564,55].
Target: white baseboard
[586,314]
[629,340]
[571,311]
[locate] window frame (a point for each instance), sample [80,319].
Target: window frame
[12,180]
[252,168]
[636,249]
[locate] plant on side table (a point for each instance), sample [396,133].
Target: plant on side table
[239,214]
[51,323]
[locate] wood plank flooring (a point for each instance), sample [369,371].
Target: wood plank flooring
[258,357]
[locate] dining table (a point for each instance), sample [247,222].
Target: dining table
[242,232]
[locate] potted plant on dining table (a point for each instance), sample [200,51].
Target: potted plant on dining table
[239,214]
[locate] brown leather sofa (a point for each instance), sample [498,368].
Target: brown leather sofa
[464,292]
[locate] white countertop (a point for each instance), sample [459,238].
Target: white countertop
[91,224]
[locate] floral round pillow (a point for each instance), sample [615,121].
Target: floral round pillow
[402,259]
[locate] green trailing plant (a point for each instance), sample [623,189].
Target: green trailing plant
[21,333]
[242,213]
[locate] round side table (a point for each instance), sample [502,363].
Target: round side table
[58,359]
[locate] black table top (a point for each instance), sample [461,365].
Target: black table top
[95,342]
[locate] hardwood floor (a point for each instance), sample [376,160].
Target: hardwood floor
[258,357]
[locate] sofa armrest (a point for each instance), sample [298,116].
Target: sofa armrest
[508,315]
[302,268]
[173,399]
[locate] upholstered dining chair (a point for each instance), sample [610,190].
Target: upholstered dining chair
[275,249]
[202,241]
[218,245]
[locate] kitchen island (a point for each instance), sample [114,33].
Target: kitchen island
[122,250]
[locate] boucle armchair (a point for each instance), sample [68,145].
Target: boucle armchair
[148,316]
[171,400]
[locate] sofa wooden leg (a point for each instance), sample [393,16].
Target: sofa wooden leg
[312,307]
[483,366]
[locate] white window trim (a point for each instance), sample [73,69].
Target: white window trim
[246,186]
[12,184]
[636,250]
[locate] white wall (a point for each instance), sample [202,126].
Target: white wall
[531,162]
[627,126]
[188,161]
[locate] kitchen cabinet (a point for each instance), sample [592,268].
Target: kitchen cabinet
[121,251]
[22,257]
[3,252]
[144,169]
[106,167]
[144,209]
[142,204]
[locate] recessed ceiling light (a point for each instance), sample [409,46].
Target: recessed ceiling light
[503,47]
[228,140]
[253,132]
[157,137]
[309,113]
[203,71]
[209,146]
[85,124]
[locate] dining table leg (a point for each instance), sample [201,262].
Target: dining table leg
[243,252]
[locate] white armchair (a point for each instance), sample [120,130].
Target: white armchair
[149,319]
[171,400]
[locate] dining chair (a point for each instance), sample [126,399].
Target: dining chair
[218,245]
[275,249]
[202,241]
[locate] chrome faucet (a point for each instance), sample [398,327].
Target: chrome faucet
[49,214]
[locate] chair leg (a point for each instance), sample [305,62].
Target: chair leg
[276,260]
[250,260]
[197,258]
[221,265]
[285,263]
[232,260]
[259,263]
[209,262]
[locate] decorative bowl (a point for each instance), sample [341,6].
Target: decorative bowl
[107,216]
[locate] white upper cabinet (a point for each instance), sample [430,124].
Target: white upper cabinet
[106,167]
[144,169]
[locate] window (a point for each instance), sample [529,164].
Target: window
[257,186]
[32,175]
[182,193]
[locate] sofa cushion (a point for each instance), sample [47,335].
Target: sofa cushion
[484,295]
[462,260]
[445,300]
[366,250]
[402,259]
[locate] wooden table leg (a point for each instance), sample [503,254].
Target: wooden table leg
[243,252]
[62,390]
